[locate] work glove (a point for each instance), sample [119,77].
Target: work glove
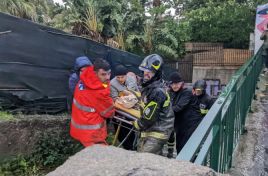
[135,124]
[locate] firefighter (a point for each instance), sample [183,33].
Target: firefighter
[92,105]
[157,118]
[205,101]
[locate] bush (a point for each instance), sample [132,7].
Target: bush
[53,149]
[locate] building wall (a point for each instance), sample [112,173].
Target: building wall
[216,77]
[223,74]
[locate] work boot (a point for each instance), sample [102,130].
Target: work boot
[170,153]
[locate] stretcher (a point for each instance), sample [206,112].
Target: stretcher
[125,116]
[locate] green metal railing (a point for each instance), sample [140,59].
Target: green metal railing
[213,142]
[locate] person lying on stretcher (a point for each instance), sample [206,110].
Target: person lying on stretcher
[120,85]
[122,82]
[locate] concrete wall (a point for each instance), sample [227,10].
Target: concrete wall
[224,74]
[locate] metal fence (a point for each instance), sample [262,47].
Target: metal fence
[185,68]
[215,139]
[215,54]
[208,54]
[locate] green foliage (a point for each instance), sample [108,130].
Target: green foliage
[64,17]
[91,21]
[228,21]
[165,50]
[51,150]
[221,23]
[133,18]
[5,116]
[54,148]
[19,165]
[21,8]
[110,138]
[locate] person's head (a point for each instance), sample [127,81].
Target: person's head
[176,82]
[121,74]
[81,63]
[152,68]
[199,87]
[102,70]
[132,75]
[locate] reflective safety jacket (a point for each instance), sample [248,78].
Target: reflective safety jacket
[92,104]
[157,118]
[205,103]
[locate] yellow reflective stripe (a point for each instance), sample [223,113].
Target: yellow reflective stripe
[171,143]
[170,147]
[204,111]
[154,135]
[106,110]
[152,103]
[142,104]
[135,124]
[87,127]
[156,66]
[82,107]
[166,103]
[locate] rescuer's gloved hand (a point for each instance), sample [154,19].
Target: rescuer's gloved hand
[135,124]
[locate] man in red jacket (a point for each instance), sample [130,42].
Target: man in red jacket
[92,104]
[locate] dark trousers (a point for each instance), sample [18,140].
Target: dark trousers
[129,142]
[151,145]
[171,144]
[265,57]
[183,134]
[171,141]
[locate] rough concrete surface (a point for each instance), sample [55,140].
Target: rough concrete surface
[101,160]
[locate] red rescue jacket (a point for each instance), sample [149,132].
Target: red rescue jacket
[92,104]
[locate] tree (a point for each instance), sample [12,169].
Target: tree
[64,17]
[42,9]
[20,8]
[229,22]
[162,34]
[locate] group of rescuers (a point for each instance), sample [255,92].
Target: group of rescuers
[169,110]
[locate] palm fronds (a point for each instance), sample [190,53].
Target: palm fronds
[19,8]
[166,50]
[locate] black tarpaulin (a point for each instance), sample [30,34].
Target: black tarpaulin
[36,61]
